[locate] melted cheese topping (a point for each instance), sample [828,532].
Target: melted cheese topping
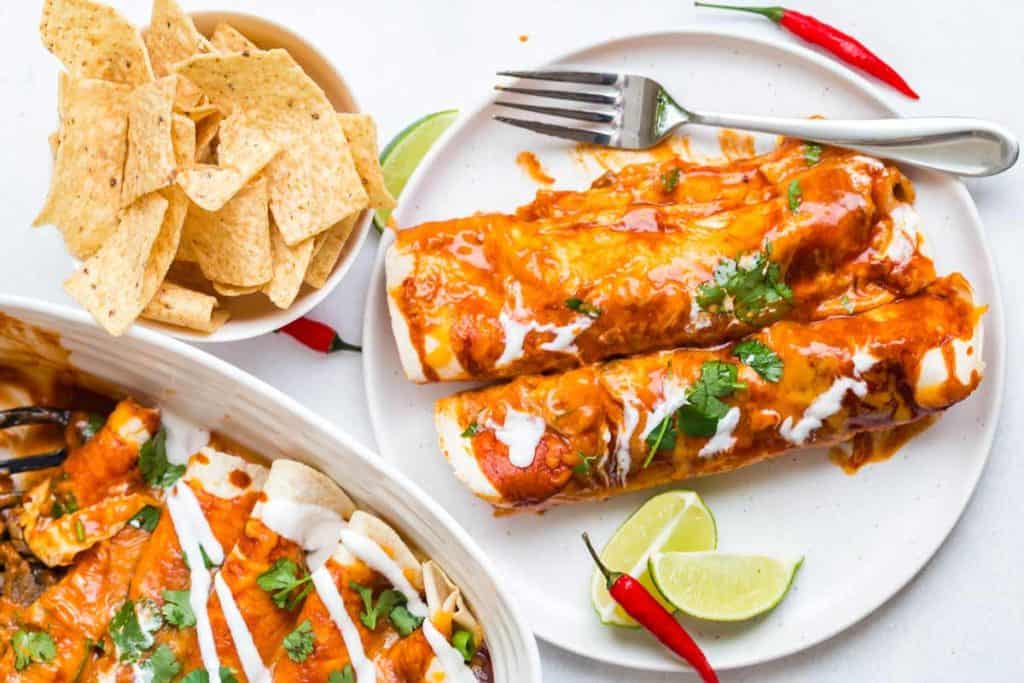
[824,406]
[522,434]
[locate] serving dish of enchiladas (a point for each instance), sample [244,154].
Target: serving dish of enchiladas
[655,319]
[192,528]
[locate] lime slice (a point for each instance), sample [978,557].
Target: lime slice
[404,153]
[672,521]
[723,586]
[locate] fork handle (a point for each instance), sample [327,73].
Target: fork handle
[964,146]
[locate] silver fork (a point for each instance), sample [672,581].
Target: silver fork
[626,111]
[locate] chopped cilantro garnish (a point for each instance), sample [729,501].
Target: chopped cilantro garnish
[207,562]
[63,504]
[146,518]
[162,666]
[581,306]
[128,634]
[177,610]
[200,676]
[32,646]
[299,643]
[753,285]
[670,180]
[404,621]
[582,468]
[847,304]
[372,611]
[346,675]
[812,153]
[661,438]
[760,357]
[284,583]
[79,531]
[462,640]
[156,469]
[471,430]
[227,675]
[794,196]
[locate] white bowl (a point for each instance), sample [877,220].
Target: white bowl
[217,395]
[254,315]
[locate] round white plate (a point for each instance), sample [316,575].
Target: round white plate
[863,536]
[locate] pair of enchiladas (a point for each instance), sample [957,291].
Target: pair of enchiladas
[680,318]
[170,554]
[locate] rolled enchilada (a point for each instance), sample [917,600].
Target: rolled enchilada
[638,422]
[639,263]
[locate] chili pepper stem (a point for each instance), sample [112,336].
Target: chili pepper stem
[773,13]
[610,577]
[339,344]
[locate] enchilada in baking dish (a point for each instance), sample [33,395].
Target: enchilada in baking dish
[660,255]
[637,422]
[163,553]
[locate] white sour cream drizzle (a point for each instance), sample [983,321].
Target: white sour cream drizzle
[723,439]
[863,361]
[516,329]
[245,646]
[451,659]
[522,433]
[673,398]
[823,407]
[323,582]
[183,438]
[630,420]
[313,527]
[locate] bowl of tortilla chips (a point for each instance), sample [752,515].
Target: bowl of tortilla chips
[212,174]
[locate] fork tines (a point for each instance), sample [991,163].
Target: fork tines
[603,107]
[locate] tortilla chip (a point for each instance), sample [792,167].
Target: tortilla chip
[313,181]
[206,132]
[183,307]
[233,245]
[362,137]
[186,252]
[85,188]
[151,163]
[54,141]
[200,111]
[290,264]
[231,290]
[172,37]
[95,41]
[227,38]
[183,135]
[110,285]
[327,251]
[165,246]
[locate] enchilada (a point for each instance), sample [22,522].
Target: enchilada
[653,258]
[633,423]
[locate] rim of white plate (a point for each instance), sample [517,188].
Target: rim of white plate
[254,385]
[994,321]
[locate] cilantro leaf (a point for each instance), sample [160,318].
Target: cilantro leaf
[63,504]
[162,666]
[372,611]
[462,641]
[346,675]
[196,676]
[128,634]
[299,643]
[812,153]
[227,675]
[760,357]
[693,423]
[207,562]
[581,306]
[669,180]
[582,468]
[471,430]
[794,196]
[146,518]
[32,646]
[281,580]
[404,621]
[758,293]
[156,469]
[176,610]
[661,438]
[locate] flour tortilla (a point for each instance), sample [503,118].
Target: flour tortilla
[151,163]
[85,187]
[111,285]
[444,596]
[95,41]
[379,531]
[290,480]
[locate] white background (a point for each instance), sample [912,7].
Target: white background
[963,617]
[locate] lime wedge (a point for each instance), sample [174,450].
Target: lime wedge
[723,586]
[404,153]
[672,521]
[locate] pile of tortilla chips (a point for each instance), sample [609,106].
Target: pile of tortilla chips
[188,169]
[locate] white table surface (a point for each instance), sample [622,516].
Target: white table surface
[962,618]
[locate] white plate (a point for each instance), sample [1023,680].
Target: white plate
[217,395]
[863,537]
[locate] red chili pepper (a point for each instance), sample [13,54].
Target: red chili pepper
[843,46]
[317,336]
[641,605]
